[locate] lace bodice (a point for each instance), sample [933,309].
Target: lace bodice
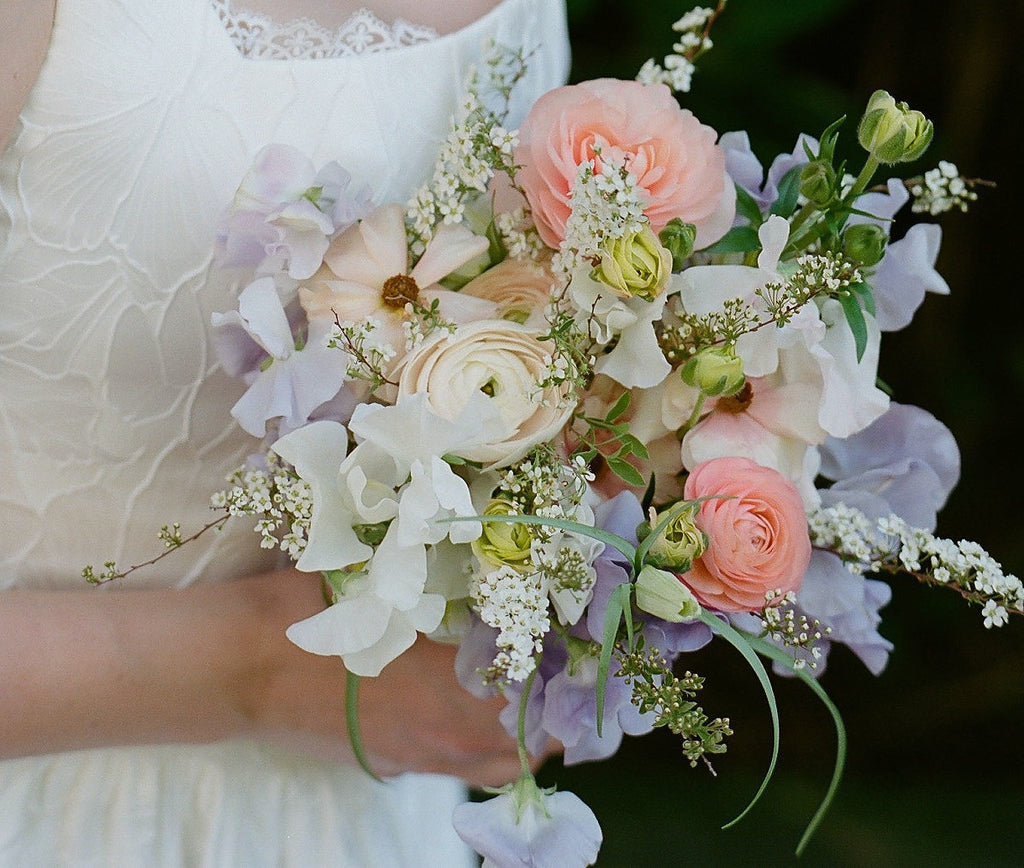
[258,37]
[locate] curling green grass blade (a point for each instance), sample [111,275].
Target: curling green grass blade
[742,644]
[778,655]
[618,605]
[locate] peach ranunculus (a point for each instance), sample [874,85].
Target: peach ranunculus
[502,361]
[758,540]
[521,288]
[679,168]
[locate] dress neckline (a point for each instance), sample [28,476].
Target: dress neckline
[216,8]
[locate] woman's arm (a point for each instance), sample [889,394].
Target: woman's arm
[98,667]
[25,27]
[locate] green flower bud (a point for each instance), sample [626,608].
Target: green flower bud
[678,543]
[635,264]
[864,243]
[891,132]
[678,238]
[818,182]
[662,594]
[503,543]
[715,371]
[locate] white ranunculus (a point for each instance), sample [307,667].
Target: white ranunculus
[501,361]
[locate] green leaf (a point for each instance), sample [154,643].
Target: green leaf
[863,290]
[355,736]
[789,193]
[648,497]
[618,408]
[625,471]
[742,643]
[618,605]
[746,206]
[739,239]
[858,325]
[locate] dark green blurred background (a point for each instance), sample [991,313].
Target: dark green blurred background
[935,772]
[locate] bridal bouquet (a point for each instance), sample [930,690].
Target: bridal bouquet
[604,390]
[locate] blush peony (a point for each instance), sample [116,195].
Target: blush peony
[757,534]
[677,164]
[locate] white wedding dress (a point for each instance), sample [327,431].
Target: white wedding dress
[113,413]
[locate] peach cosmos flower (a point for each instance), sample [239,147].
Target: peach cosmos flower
[757,533]
[678,167]
[366,274]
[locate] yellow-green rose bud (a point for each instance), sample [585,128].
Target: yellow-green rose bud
[678,238]
[715,371]
[662,594]
[892,132]
[818,182]
[634,265]
[503,543]
[864,243]
[678,543]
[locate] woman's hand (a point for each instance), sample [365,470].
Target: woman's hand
[414,716]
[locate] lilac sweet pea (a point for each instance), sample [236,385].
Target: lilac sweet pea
[906,463]
[526,827]
[285,213]
[746,170]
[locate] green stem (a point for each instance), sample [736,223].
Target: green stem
[524,700]
[694,416]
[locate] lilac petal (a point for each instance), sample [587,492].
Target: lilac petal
[905,274]
[558,832]
[907,457]
[280,173]
[849,605]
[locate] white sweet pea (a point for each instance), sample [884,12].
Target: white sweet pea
[295,382]
[396,474]
[636,360]
[847,399]
[705,289]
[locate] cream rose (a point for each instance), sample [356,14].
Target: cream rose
[677,165]
[757,534]
[505,362]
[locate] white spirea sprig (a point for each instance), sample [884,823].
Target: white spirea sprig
[940,190]
[477,146]
[676,70]
[783,624]
[605,202]
[544,485]
[277,497]
[515,603]
[519,234]
[892,545]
